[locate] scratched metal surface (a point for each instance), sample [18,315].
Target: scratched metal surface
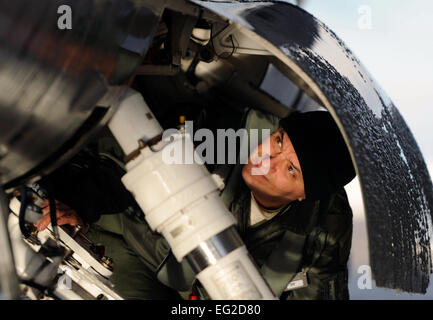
[51,79]
[397,189]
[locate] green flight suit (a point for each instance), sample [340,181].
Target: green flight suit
[313,237]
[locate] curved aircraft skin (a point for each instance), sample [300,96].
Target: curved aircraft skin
[83,72]
[386,155]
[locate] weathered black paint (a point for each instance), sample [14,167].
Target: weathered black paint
[397,190]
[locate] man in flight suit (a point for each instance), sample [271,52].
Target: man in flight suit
[295,219]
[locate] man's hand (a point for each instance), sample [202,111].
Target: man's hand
[65,215]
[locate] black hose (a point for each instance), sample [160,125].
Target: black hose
[53,216]
[22,213]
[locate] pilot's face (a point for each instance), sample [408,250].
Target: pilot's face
[273,172]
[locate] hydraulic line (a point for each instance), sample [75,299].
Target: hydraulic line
[181,201]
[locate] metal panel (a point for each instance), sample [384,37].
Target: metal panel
[51,79]
[397,189]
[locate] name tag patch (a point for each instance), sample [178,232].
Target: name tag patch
[299,281]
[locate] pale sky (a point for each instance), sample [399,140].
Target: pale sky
[397,51]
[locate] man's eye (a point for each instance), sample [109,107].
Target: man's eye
[292,170]
[279,142]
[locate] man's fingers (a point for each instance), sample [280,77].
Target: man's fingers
[43,223]
[68,219]
[45,204]
[46,218]
[45,210]
[64,214]
[63,217]
[65,220]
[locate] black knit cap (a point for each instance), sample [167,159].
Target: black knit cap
[325,161]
